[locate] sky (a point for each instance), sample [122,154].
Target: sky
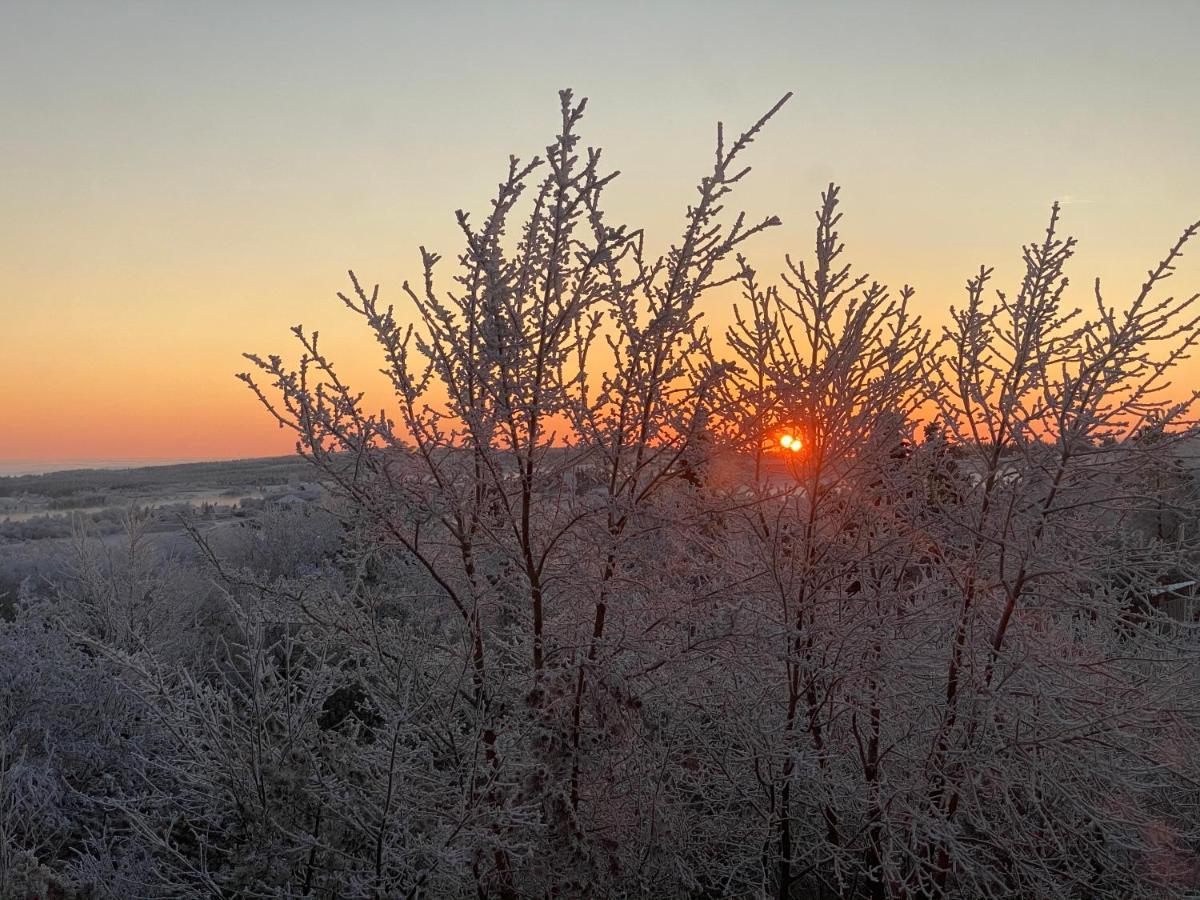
[180,183]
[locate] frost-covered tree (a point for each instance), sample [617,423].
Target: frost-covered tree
[549,406]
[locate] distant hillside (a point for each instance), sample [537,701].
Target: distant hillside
[217,475]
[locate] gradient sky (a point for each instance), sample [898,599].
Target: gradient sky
[182,182]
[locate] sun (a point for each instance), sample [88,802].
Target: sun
[791,442]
